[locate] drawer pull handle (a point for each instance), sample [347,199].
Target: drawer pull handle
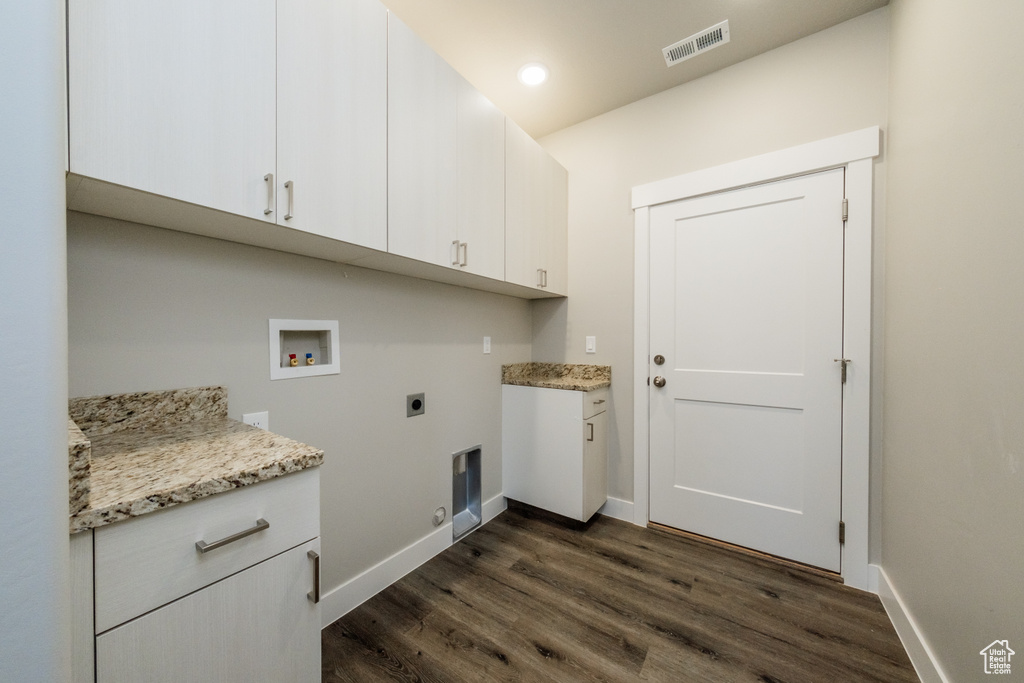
[204,547]
[315,594]
[591,425]
[597,403]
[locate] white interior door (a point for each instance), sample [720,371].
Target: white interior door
[746,307]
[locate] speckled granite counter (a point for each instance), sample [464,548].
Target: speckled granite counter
[158,449]
[79,466]
[557,376]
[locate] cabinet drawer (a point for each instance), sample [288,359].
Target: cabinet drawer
[148,561]
[594,402]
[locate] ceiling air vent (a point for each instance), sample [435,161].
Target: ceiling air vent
[697,43]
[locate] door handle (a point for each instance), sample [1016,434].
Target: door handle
[455,252]
[659,382]
[464,246]
[591,437]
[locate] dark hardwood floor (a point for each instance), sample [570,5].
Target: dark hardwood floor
[528,598]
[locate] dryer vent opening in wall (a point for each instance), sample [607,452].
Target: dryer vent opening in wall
[696,44]
[466,504]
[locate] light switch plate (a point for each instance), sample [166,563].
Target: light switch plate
[487,344]
[259,420]
[591,344]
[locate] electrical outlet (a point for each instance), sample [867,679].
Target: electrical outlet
[258,420]
[591,344]
[487,344]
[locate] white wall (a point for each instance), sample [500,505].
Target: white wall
[34,586]
[155,309]
[829,83]
[954,385]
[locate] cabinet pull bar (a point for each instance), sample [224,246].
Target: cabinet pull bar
[540,277]
[455,252]
[597,403]
[314,595]
[204,547]
[591,437]
[465,253]
[290,186]
[270,194]
[545,271]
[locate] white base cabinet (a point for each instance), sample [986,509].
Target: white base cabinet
[256,625]
[554,449]
[244,610]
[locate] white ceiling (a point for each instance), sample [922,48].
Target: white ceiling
[602,54]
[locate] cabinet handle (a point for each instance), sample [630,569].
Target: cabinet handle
[597,403]
[455,252]
[540,277]
[204,547]
[465,253]
[545,271]
[290,187]
[314,595]
[269,178]
[591,437]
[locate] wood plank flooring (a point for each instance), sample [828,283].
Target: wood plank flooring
[529,598]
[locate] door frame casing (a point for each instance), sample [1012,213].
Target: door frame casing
[855,152]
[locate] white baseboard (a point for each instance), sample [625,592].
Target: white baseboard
[359,589]
[493,507]
[618,509]
[920,653]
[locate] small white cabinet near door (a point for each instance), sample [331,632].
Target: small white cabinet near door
[554,449]
[240,612]
[175,98]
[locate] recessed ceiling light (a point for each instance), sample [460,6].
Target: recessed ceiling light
[533,73]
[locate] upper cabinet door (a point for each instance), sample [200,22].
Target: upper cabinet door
[332,119]
[536,215]
[481,183]
[524,165]
[555,246]
[177,98]
[421,149]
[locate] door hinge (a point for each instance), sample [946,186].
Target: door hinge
[846,209]
[842,532]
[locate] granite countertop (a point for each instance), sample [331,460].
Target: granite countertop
[158,449]
[557,376]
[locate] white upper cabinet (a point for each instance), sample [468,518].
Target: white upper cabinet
[332,119]
[422,122]
[536,215]
[480,231]
[327,117]
[176,98]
